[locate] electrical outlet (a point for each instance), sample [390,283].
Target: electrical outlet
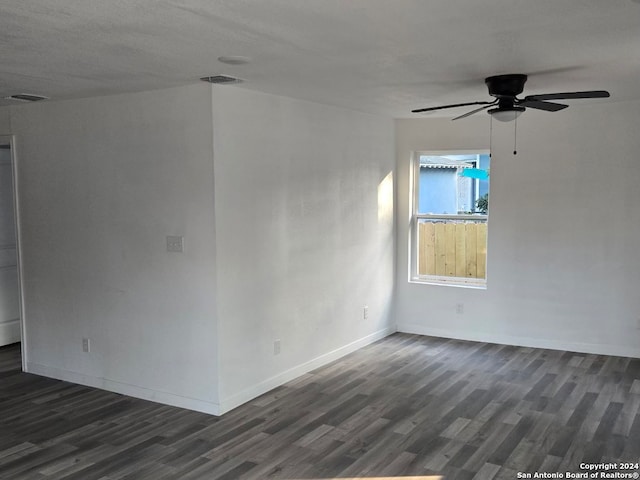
[175,243]
[276,347]
[86,345]
[365,312]
[459,308]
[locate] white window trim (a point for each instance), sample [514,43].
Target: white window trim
[414,179]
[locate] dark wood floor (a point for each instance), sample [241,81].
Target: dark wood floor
[407,405]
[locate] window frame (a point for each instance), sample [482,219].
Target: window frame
[415,217]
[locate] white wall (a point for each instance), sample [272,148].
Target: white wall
[5,121]
[102,182]
[304,212]
[9,297]
[289,240]
[563,261]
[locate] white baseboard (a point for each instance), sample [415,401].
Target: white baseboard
[10,332]
[269,384]
[125,389]
[292,373]
[203,405]
[552,344]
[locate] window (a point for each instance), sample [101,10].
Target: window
[449,218]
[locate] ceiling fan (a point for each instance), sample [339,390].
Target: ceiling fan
[507,106]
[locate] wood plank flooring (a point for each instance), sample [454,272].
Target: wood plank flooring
[405,406]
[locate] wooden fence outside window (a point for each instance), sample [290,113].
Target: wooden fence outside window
[452,248]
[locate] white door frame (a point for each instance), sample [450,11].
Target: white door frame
[10,140]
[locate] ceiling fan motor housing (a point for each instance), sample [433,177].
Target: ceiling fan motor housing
[506,85]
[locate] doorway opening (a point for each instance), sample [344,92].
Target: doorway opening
[11,321]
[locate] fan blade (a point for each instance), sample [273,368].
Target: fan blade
[546,106]
[473,111]
[429,109]
[569,95]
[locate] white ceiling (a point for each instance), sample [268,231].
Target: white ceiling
[379,56]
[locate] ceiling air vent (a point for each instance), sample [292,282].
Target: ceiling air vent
[221,79]
[26,97]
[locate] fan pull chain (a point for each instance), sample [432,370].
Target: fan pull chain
[515,134]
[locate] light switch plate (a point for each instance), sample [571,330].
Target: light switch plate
[175,243]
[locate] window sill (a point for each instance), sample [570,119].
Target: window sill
[481,285]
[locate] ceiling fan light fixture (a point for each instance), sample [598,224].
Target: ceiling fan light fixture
[506,114]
